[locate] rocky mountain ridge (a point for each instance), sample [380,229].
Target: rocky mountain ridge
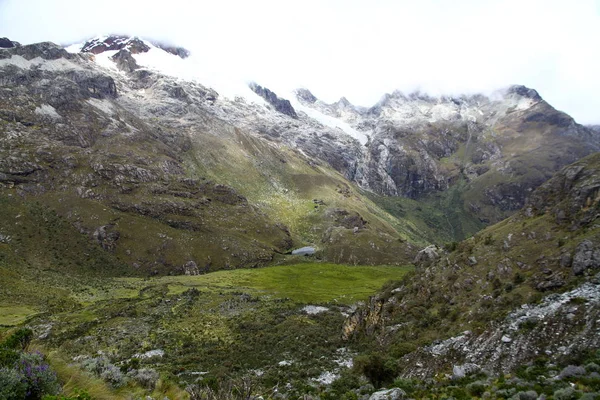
[420,146]
[145,145]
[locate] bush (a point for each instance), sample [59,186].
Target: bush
[400,349]
[36,374]
[378,369]
[528,395]
[590,396]
[408,385]
[101,366]
[566,394]
[11,386]
[476,389]
[19,340]
[592,367]
[571,371]
[8,357]
[146,377]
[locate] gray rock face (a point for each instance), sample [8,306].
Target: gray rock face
[125,61]
[586,256]
[553,331]
[415,141]
[281,105]
[132,44]
[44,50]
[6,43]
[428,255]
[460,371]
[115,42]
[107,237]
[388,394]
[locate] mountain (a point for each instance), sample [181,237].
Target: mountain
[525,288]
[137,201]
[116,136]
[478,157]
[146,165]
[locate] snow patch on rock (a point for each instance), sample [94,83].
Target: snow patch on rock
[314,309]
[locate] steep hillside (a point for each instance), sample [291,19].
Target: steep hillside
[493,298]
[150,172]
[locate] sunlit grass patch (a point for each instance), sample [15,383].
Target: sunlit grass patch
[304,283]
[14,315]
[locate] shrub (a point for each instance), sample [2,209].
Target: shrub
[528,395]
[450,246]
[11,385]
[113,375]
[378,369]
[37,375]
[19,340]
[592,367]
[476,388]
[101,366]
[400,349]
[566,394]
[408,385]
[8,357]
[146,377]
[571,371]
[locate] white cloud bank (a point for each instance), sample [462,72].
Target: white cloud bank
[352,48]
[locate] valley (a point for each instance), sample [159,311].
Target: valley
[147,224]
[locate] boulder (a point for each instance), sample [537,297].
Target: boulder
[586,256]
[428,255]
[304,251]
[460,371]
[388,394]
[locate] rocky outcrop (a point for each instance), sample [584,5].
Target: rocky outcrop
[133,45]
[125,61]
[586,256]
[388,394]
[44,50]
[490,288]
[115,42]
[559,326]
[6,43]
[281,105]
[428,256]
[366,319]
[107,237]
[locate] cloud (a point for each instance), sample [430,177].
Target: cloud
[355,48]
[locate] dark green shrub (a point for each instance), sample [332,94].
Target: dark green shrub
[400,349]
[476,388]
[8,357]
[378,369]
[19,340]
[451,246]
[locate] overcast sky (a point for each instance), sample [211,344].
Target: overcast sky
[357,49]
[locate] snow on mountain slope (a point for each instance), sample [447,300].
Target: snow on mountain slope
[165,60]
[328,120]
